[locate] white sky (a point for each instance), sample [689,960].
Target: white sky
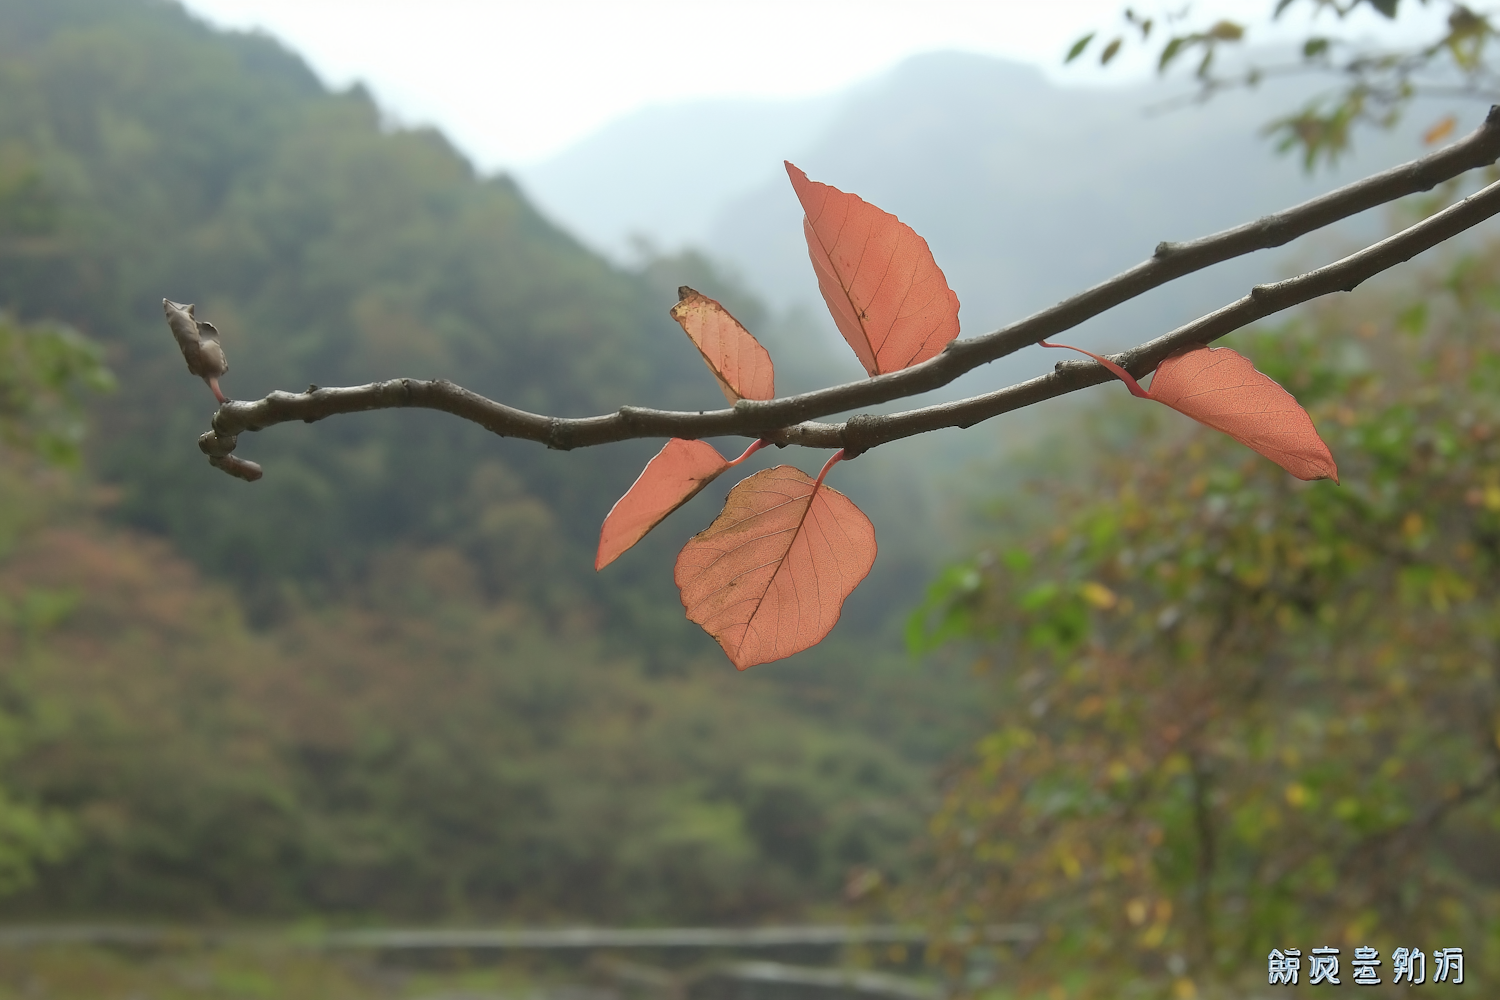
[514,81]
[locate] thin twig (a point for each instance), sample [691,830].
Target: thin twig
[789,420]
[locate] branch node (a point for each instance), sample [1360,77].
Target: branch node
[1164,249]
[555,435]
[216,445]
[857,434]
[219,448]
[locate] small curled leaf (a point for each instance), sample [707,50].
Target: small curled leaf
[740,364]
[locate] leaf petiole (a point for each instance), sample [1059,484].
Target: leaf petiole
[1124,376]
[837,457]
[756,446]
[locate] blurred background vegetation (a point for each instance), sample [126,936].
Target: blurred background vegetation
[1177,710]
[1237,711]
[389,685]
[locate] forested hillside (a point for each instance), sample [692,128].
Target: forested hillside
[383,681]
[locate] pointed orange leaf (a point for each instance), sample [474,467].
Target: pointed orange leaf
[668,481]
[741,365]
[887,295]
[769,577]
[1220,388]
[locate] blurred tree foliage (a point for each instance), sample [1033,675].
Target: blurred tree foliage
[148,155]
[1240,711]
[420,753]
[1370,84]
[44,370]
[384,682]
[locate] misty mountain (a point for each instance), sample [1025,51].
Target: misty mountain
[1027,191]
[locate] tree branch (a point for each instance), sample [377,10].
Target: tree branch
[790,419]
[864,432]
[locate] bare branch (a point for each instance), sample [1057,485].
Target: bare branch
[788,420]
[864,432]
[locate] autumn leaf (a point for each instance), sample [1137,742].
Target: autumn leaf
[886,293]
[769,577]
[1220,388]
[739,363]
[676,475]
[1440,131]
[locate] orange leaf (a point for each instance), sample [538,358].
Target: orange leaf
[668,481]
[1440,131]
[738,361]
[768,578]
[1220,388]
[887,295]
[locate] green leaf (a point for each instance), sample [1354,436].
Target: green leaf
[948,610]
[1078,47]
[1386,7]
[1207,62]
[1172,50]
[1314,47]
[1226,31]
[1110,51]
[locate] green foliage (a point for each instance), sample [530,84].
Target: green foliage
[160,158]
[421,753]
[1372,86]
[44,371]
[1241,711]
[382,682]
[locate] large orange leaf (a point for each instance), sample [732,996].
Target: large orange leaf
[738,361]
[1220,388]
[769,577]
[668,481]
[887,295]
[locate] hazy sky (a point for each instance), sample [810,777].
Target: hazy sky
[513,81]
